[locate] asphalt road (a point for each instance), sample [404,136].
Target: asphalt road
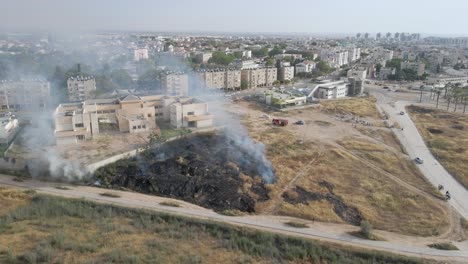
[273,224]
[415,146]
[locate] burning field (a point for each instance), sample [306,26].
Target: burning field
[211,170]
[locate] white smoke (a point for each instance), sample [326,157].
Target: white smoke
[38,139]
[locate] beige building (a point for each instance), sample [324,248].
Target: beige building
[175,84]
[219,79]
[286,73]
[76,122]
[81,88]
[28,95]
[258,77]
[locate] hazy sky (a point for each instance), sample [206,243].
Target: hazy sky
[311,16]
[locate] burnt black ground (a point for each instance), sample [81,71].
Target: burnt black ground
[203,169]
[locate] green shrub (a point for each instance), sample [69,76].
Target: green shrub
[443,246]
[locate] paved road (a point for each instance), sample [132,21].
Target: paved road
[415,146]
[273,224]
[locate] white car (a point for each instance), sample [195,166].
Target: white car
[419,160]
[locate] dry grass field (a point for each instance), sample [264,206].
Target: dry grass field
[364,107]
[446,135]
[43,229]
[346,176]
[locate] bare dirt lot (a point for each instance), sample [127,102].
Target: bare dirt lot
[446,135]
[344,166]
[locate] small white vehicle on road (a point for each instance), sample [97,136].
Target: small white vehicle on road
[419,160]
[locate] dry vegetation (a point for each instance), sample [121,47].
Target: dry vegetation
[446,135]
[351,179]
[364,106]
[43,229]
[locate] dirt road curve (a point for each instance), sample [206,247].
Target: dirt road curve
[415,146]
[326,232]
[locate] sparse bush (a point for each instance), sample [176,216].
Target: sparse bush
[366,229]
[296,224]
[170,203]
[62,188]
[443,246]
[232,212]
[109,194]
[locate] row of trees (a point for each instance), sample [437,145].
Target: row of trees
[454,94]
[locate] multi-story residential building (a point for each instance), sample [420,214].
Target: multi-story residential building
[354,54]
[258,77]
[175,83]
[203,57]
[228,79]
[81,88]
[140,54]
[385,72]
[358,72]
[75,122]
[25,95]
[285,73]
[334,58]
[419,67]
[305,66]
[271,75]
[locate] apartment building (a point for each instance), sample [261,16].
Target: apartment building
[354,54]
[419,67]
[334,58]
[75,122]
[81,88]
[285,73]
[226,79]
[305,66]
[258,77]
[203,57]
[175,83]
[385,72]
[358,72]
[140,54]
[330,89]
[25,95]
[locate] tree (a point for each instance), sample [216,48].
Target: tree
[221,58]
[270,62]
[378,67]
[244,84]
[323,67]
[274,52]
[394,63]
[259,53]
[366,229]
[438,95]
[276,83]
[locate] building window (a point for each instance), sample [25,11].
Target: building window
[139,127]
[190,113]
[79,125]
[144,126]
[134,127]
[149,115]
[80,137]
